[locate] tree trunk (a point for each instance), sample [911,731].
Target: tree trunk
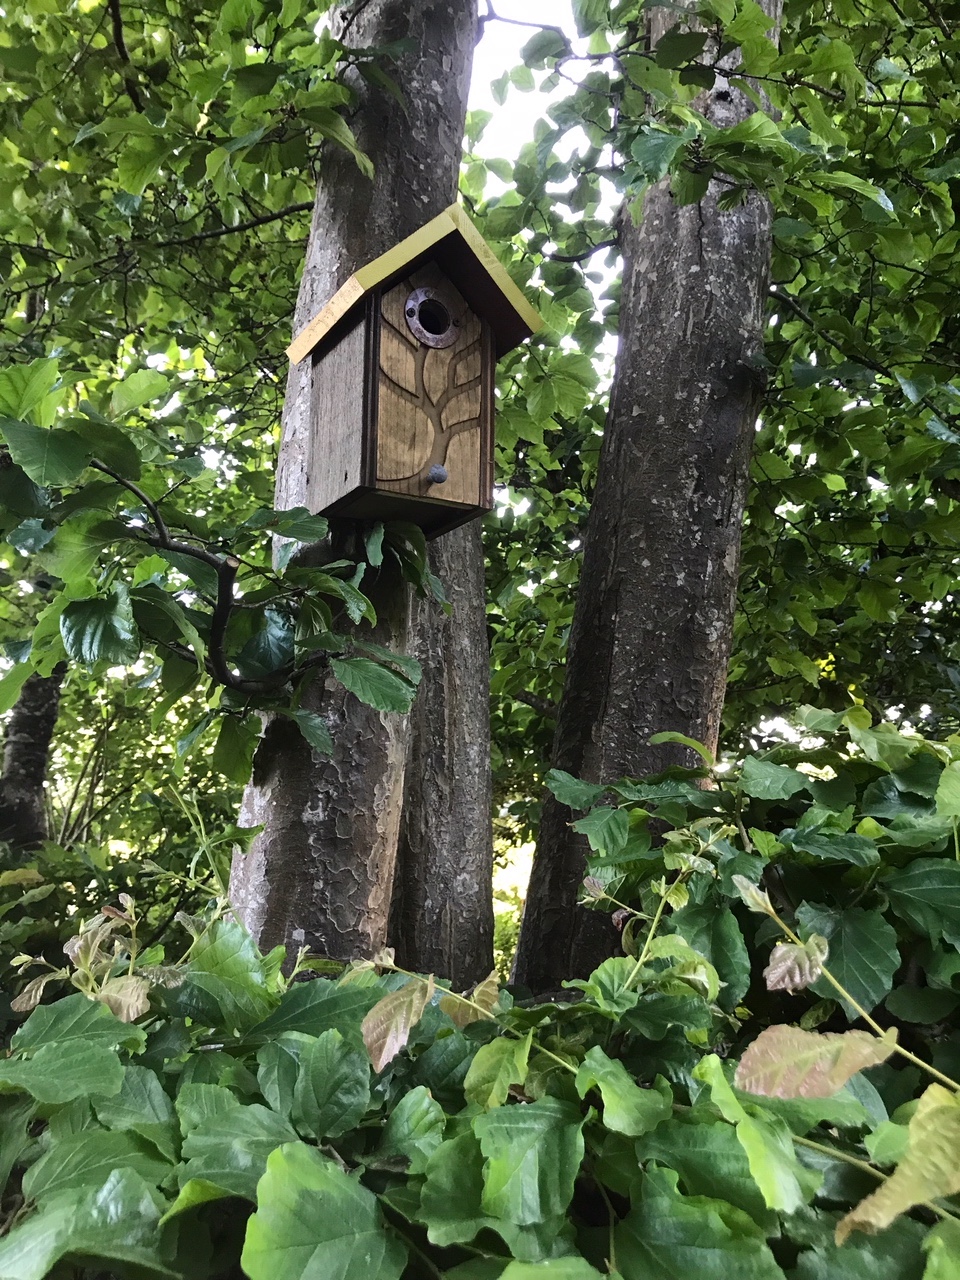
[442,919]
[652,628]
[26,751]
[321,872]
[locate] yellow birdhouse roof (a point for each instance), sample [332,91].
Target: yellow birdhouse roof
[459,249]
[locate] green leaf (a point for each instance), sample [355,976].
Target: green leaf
[49,457]
[409,666]
[376,685]
[314,729]
[533,1155]
[767,781]
[450,1198]
[58,1073]
[279,1066]
[573,792]
[654,150]
[942,1247]
[703,752]
[235,747]
[78,544]
[195,1192]
[757,131]
[414,1129]
[197,1103]
[543,46]
[142,1107]
[332,1092]
[296,523]
[787,1062]
[930,1168]
[25,386]
[710,1159]
[139,388]
[852,182]
[627,1108]
[330,125]
[863,952]
[315,1007]
[116,1222]
[16,1116]
[609,985]
[766,1140]
[201,573]
[678,47]
[715,934]
[495,1067]
[552,1269]
[101,629]
[225,983]
[87,1158]
[76,1018]
[667,1236]
[386,1028]
[832,846]
[948,791]
[606,829]
[110,445]
[11,683]
[313,1220]
[927,895]
[230,1150]
[139,165]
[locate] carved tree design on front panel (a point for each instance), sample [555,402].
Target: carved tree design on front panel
[430,399]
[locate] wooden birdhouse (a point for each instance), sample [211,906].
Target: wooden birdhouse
[403,358]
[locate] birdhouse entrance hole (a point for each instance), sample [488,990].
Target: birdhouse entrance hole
[429,320]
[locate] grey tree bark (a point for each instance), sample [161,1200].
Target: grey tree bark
[321,872]
[442,919]
[652,628]
[26,752]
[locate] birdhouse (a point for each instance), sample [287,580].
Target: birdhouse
[403,358]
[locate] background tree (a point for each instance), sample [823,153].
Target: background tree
[651,632]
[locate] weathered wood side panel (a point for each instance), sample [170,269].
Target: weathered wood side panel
[430,400]
[336,440]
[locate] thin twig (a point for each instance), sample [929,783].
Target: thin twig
[304,207]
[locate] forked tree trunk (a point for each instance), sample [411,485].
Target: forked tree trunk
[652,628]
[26,753]
[321,872]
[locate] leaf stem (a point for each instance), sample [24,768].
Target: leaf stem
[651,934]
[836,1154]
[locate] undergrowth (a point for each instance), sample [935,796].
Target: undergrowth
[762,1085]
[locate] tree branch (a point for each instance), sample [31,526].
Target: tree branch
[587,253]
[129,83]
[543,705]
[200,236]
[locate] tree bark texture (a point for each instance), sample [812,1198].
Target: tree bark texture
[26,752]
[442,919]
[653,623]
[321,872]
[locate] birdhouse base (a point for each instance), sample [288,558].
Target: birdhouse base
[433,517]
